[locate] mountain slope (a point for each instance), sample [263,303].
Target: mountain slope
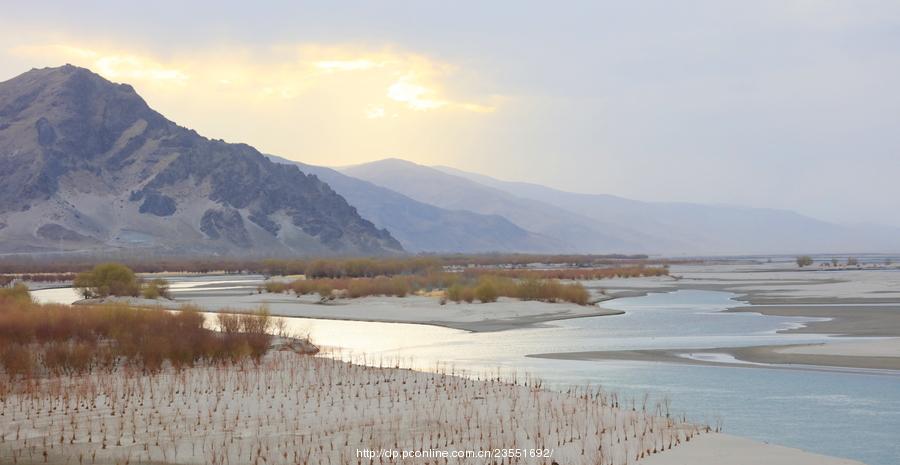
[423,227]
[705,229]
[85,164]
[577,232]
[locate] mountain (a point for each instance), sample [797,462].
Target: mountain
[575,232]
[605,223]
[423,227]
[87,165]
[709,229]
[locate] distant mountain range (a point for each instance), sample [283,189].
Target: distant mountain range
[606,223]
[86,165]
[422,227]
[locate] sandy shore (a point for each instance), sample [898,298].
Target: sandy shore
[845,320]
[880,354]
[299,409]
[497,316]
[723,449]
[866,348]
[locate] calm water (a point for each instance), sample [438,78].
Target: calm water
[854,415]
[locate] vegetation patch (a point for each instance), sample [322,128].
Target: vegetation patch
[61,339]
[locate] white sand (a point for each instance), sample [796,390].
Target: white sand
[872,348]
[782,281]
[503,314]
[723,449]
[299,409]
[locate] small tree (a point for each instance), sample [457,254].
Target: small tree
[852,261]
[804,260]
[107,279]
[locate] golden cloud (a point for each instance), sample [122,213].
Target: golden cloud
[379,83]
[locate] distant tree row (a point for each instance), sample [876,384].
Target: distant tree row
[806,260]
[327,267]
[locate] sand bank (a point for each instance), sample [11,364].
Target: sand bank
[723,449]
[868,355]
[501,315]
[845,320]
[299,409]
[865,348]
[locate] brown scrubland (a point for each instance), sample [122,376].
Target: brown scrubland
[469,284]
[37,339]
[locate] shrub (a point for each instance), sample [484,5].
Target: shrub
[486,292]
[454,292]
[61,339]
[107,279]
[17,360]
[804,260]
[276,287]
[18,294]
[155,289]
[468,294]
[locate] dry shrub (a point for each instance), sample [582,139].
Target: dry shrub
[454,292]
[246,334]
[486,291]
[63,339]
[276,287]
[156,288]
[573,274]
[16,359]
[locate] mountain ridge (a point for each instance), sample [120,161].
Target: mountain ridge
[451,192]
[88,165]
[423,227]
[652,227]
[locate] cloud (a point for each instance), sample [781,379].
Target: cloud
[119,66]
[418,97]
[387,79]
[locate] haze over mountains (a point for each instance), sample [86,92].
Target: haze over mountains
[86,165]
[422,227]
[604,223]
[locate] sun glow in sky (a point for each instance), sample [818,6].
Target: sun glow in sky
[362,99]
[752,103]
[387,78]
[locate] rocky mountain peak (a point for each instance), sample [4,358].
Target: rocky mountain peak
[94,157]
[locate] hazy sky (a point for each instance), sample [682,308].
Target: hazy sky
[788,104]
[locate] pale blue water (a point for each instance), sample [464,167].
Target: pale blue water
[854,415]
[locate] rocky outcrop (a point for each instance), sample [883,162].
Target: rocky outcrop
[227,224]
[55,232]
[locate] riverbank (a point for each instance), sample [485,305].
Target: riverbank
[847,303]
[751,357]
[504,314]
[723,449]
[301,409]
